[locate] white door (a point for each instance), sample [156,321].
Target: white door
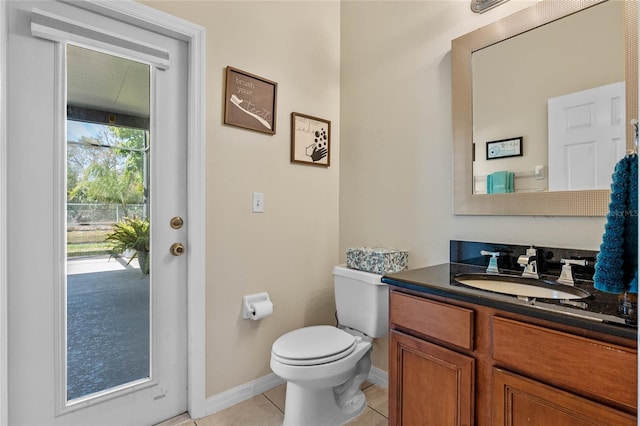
[586,137]
[43,308]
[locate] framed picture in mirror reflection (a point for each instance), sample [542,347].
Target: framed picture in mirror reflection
[504,148]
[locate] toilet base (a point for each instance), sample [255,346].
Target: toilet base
[328,406]
[318,407]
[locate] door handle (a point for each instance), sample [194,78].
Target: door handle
[177,249]
[176,222]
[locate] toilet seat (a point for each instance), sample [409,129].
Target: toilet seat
[313,345]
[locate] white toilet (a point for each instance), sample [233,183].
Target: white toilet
[324,365]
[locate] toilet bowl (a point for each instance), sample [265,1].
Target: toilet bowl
[324,365]
[323,388]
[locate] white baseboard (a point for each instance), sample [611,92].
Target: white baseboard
[256,387]
[241,393]
[378,377]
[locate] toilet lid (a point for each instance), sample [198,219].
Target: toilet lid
[313,345]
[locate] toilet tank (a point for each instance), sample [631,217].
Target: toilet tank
[362,301]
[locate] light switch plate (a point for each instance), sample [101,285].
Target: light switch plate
[258,202]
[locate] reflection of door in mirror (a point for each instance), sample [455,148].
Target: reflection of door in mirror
[514,79]
[586,137]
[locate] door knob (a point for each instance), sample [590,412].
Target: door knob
[176,222]
[177,249]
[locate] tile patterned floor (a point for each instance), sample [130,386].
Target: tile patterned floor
[267,409]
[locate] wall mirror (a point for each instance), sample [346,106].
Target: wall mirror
[508,80]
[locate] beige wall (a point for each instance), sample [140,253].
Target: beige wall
[395,175]
[290,249]
[380,71]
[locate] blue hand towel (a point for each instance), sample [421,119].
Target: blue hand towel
[500,182]
[510,187]
[617,261]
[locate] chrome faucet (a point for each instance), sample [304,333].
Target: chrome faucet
[529,261]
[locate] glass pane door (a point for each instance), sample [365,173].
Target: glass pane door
[108,288]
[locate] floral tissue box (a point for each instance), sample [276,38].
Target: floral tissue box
[377,260]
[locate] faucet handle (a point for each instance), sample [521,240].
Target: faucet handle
[579,262]
[493,262]
[566,275]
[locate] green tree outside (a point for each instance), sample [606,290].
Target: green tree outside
[107,168]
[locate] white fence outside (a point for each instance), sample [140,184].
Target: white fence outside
[102,214]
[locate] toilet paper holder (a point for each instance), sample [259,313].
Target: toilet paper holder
[252,299]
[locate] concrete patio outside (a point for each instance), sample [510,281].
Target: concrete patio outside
[107,324]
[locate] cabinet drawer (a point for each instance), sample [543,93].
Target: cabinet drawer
[446,323]
[518,401]
[601,370]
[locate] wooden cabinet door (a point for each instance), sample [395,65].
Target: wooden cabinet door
[519,401]
[428,384]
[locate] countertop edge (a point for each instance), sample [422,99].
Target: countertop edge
[500,302]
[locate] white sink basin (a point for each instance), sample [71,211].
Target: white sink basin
[523,287]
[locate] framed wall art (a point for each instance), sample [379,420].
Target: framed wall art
[504,148]
[250,101]
[310,140]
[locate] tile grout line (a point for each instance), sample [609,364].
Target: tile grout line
[373,408]
[273,403]
[375,411]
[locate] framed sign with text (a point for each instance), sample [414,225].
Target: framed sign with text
[250,101]
[310,140]
[504,148]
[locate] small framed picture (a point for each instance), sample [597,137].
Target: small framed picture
[504,148]
[310,140]
[250,101]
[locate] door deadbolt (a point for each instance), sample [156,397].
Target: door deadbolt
[177,249]
[176,222]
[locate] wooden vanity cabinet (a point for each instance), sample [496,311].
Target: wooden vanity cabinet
[418,365]
[457,363]
[415,363]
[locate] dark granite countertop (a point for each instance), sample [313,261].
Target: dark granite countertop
[599,315]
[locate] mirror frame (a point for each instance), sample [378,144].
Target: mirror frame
[561,203]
